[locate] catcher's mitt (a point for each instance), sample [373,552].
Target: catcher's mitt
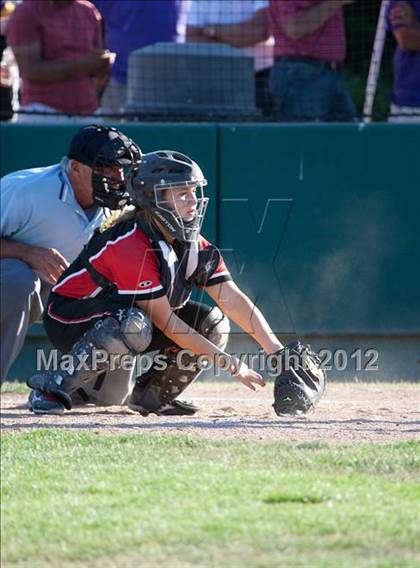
[300,382]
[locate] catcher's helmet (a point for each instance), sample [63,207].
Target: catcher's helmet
[102,147]
[162,171]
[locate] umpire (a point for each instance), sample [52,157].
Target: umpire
[47,215]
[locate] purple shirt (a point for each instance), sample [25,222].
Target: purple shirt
[130,24]
[406,68]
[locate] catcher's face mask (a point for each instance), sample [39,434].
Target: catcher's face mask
[182,207]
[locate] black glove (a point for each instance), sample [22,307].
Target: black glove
[300,382]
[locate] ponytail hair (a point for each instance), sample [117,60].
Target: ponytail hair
[116,217]
[126,214]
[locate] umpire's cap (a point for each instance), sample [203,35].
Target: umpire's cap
[91,141]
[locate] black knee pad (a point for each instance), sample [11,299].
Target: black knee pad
[215,327]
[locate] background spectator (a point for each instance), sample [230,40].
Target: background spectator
[403,19]
[240,24]
[59,50]
[131,24]
[310,46]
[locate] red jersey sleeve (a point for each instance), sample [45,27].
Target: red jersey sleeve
[132,264]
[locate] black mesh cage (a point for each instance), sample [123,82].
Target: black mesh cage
[109,191]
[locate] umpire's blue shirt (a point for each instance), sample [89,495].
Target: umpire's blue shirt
[38,207]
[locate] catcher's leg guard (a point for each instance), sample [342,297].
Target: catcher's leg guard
[109,388]
[92,353]
[156,390]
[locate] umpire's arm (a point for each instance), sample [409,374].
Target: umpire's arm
[16,214]
[240,309]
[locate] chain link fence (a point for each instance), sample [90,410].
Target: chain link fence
[199,60]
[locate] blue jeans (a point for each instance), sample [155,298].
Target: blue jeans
[306,91]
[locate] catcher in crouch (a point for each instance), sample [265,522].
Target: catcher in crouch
[129,291]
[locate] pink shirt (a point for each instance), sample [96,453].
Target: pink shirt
[65,32]
[327,42]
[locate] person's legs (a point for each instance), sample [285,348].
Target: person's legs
[262,93]
[278,85]
[156,390]
[306,91]
[98,336]
[342,106]
[21,305]
[298,91]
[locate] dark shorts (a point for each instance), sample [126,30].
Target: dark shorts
[67,319]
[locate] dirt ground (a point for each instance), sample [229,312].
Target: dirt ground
[356,412]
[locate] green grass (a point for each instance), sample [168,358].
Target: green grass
[86,500]
[14,387]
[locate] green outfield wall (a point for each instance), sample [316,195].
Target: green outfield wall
[339,251]
[320,224]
